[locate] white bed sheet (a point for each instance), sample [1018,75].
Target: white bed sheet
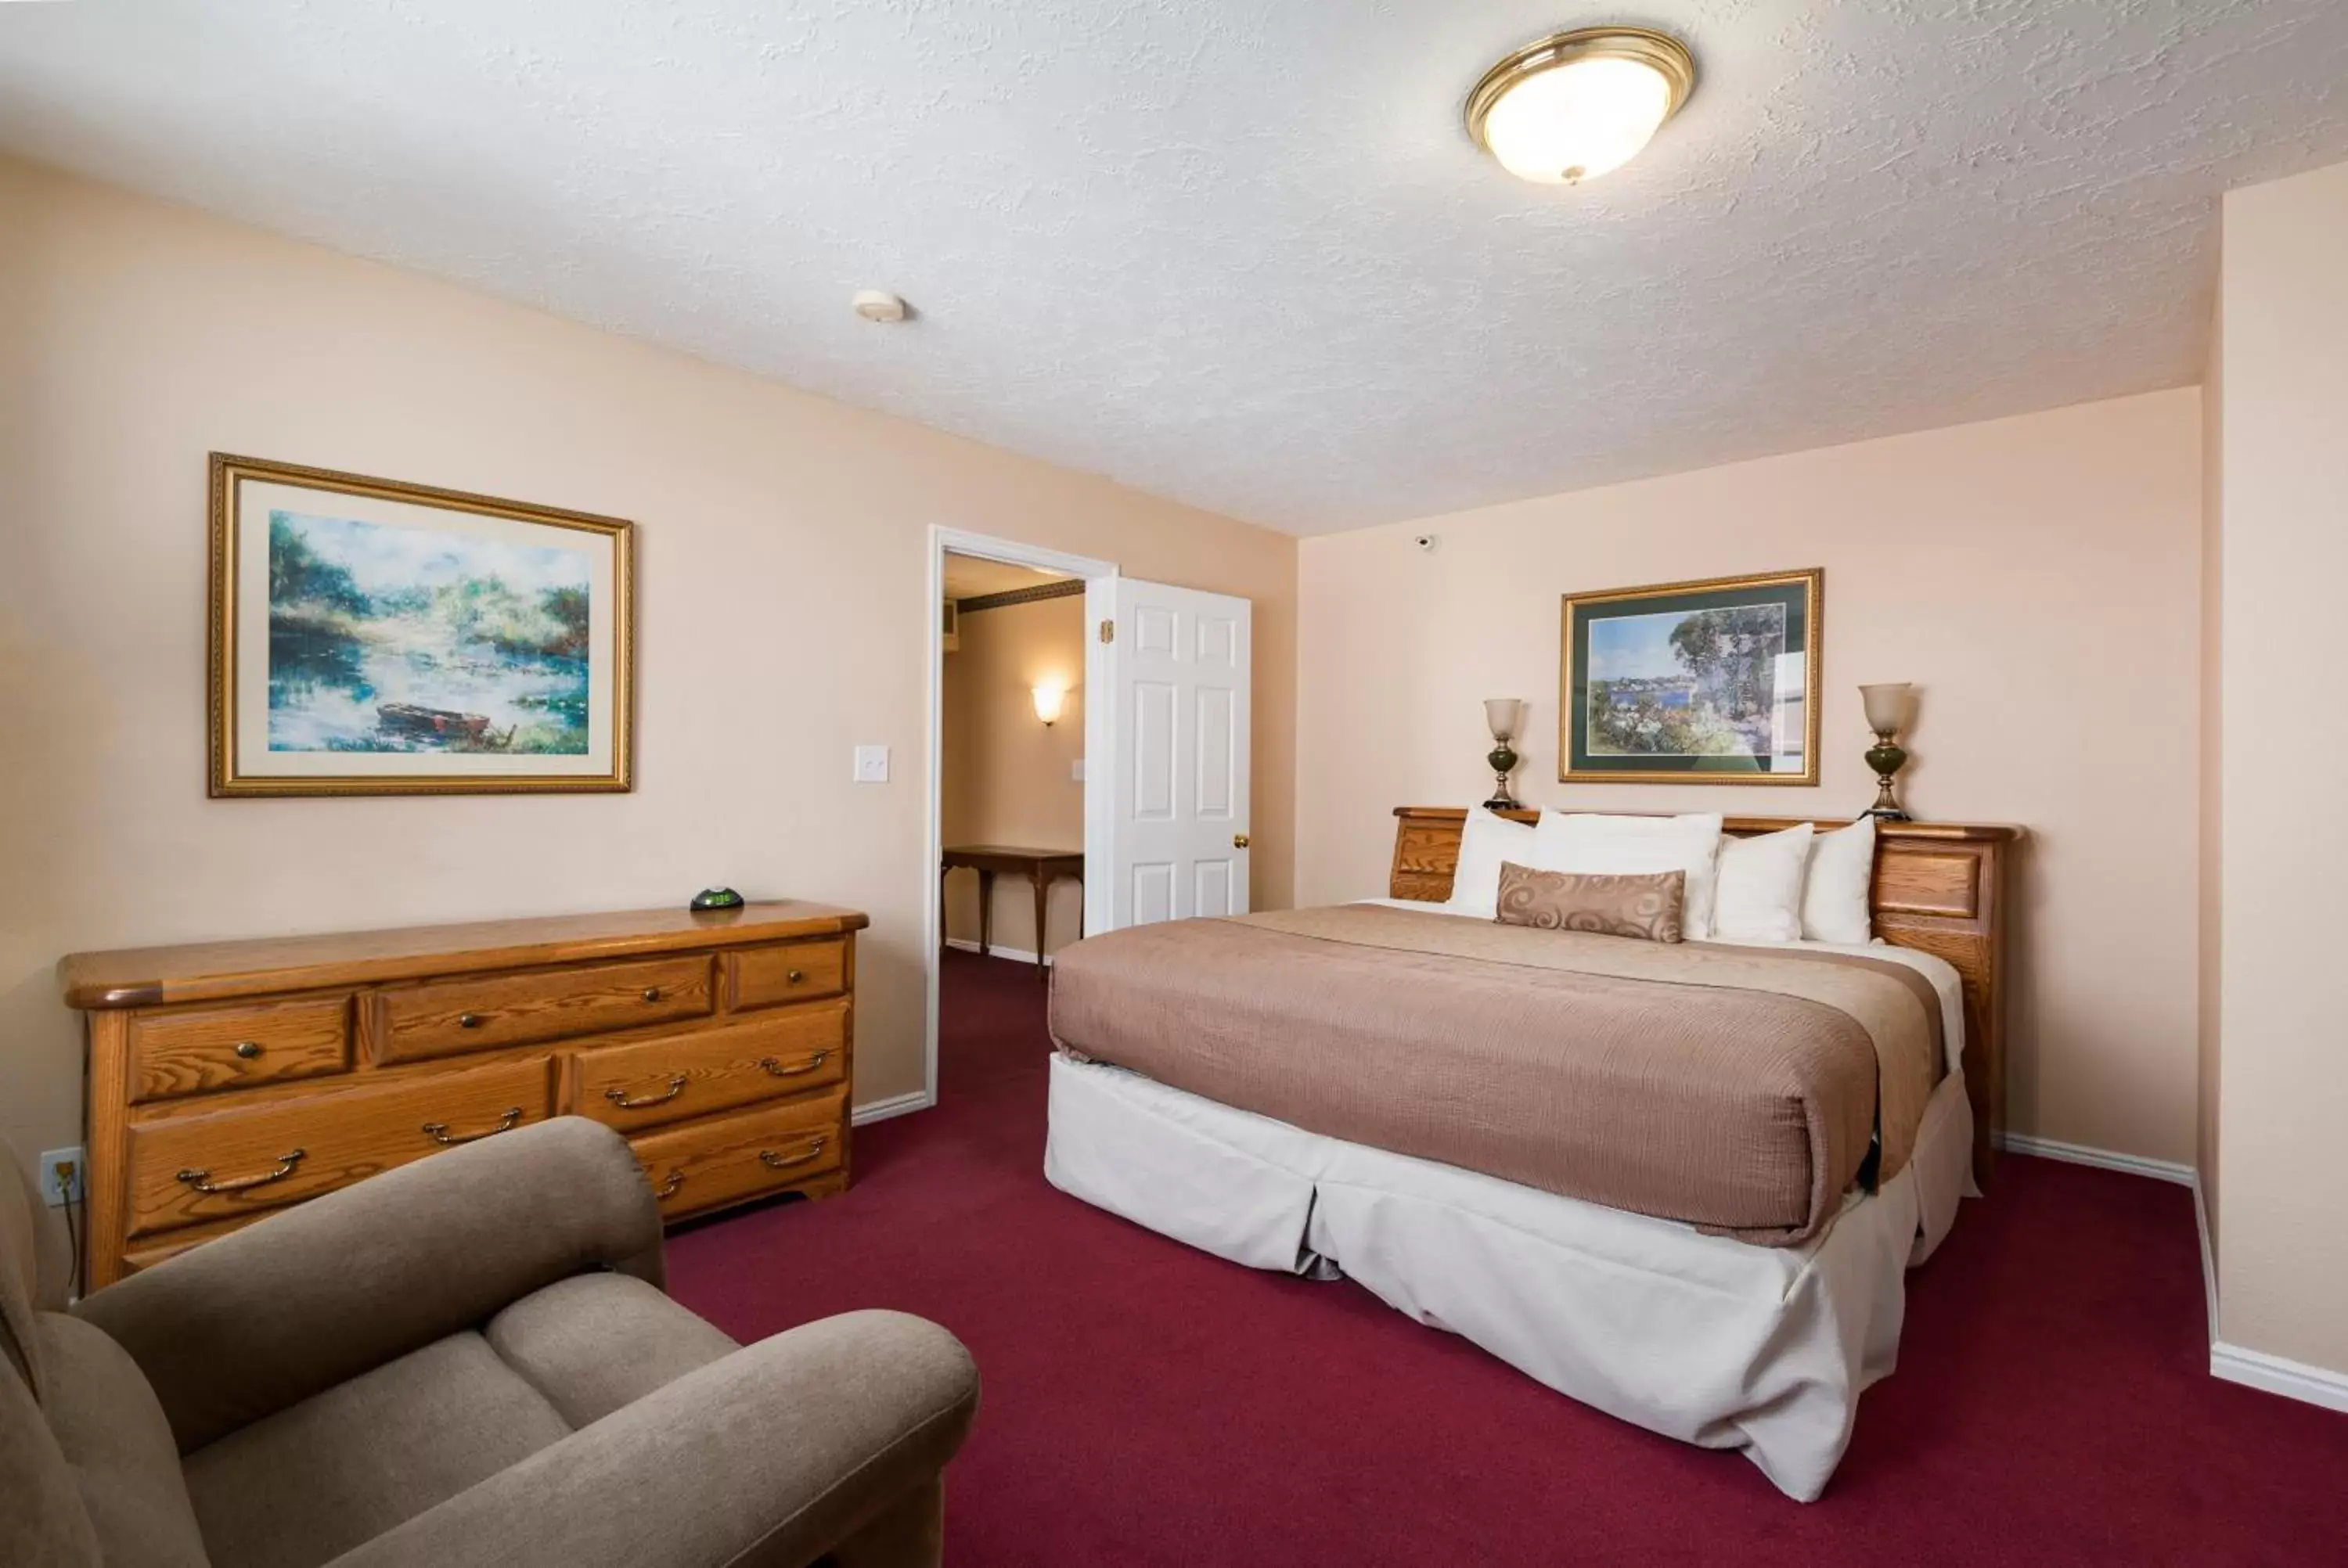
[1715,1341]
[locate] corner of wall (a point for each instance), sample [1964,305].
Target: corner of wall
[2212,858]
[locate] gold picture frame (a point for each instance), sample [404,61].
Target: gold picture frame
[1713,681]
[374,637]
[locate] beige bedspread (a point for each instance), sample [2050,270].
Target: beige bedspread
[1735,1089]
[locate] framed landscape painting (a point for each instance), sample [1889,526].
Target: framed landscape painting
[1693,682]
[374,638]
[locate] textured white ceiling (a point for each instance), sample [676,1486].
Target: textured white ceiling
[1239,252]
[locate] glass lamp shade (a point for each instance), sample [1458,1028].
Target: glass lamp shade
[1574,106]
[1049,700]
[1504,714]
[1886,705]
[1578,120]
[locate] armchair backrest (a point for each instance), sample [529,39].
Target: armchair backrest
[40,1507]
[20,1270]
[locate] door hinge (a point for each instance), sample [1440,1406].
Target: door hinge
[1108,631]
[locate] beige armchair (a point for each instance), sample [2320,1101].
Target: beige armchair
[466,1361]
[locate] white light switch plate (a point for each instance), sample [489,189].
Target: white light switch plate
[871,765]
[1077,770]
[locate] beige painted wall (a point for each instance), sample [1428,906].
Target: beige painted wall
[2038,577]
[1008,778]
[784,590]
[2283,1115]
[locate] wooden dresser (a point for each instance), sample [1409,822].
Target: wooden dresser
[231,1079]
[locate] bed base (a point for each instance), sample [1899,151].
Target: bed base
[1717,1342]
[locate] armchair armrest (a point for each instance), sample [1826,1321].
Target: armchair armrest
[763,1459]
[265,1317]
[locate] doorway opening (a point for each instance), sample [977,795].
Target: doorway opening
[1012,821]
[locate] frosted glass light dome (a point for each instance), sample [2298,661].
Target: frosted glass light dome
[1581,104]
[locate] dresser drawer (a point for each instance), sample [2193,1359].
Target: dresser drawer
[707,1163]
[443,1018]
[226,1048]
[790,972]
[646,1083]
[188,1169]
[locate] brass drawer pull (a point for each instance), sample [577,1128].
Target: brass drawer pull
[809,1065]
[438,1131]
[652,993]
[248,1049]
[775,1161]
[619,1097]
[470,1020]
[668,1188]
[201,1180]
[795,976]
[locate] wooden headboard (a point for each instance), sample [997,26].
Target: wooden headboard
[1940,888]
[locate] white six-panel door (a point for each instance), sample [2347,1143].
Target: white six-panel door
[1176,668]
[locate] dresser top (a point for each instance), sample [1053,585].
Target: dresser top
[211,971]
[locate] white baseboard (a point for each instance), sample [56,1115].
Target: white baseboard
[2159,1171]
[2275,1375]
[895,1105]
[2102,1159]
[2208,1261]
[2232,1363]
[997,951]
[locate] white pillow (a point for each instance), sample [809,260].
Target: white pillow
[1835,895]
[1758,895]
[1619,846]
[1484,842]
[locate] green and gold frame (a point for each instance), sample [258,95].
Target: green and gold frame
[1715,682]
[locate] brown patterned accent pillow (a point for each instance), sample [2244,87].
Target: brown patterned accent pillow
[1645,907]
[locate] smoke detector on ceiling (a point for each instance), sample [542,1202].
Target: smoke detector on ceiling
[878,305]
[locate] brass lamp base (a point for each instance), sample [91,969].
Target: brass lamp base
[1887,758]
[1503,760]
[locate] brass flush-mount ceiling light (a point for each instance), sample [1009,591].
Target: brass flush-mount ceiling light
[1577,104]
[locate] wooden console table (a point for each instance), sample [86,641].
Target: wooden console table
[1042,867]
[231,1079]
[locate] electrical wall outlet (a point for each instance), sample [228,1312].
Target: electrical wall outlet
[871,765]
[61,1175]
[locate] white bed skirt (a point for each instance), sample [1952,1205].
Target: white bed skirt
[1713,1341]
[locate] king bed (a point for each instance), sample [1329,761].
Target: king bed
[1679,1182]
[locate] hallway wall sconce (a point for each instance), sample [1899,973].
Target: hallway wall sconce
[1049,700]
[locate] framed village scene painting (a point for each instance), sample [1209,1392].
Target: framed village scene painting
[376,638]
[1693,682]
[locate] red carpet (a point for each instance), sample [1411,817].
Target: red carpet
[1148,1404]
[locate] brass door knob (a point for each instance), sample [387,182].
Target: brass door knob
[1239,841]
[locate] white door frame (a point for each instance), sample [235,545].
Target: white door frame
[1100,741]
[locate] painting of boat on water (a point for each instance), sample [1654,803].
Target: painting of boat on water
[404,639]
[384,637]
